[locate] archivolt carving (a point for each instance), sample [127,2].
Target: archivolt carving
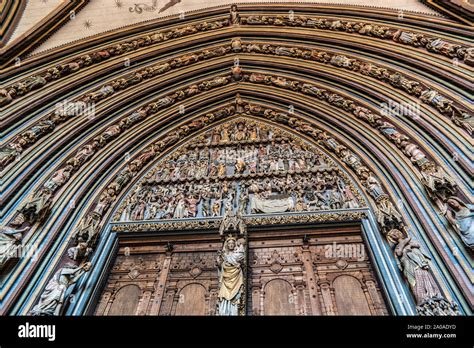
[39,202]
[54,73]
[387,129]
[388,217]
[435,179]
[81,105]
[38,205]
[414,39]
[445,106]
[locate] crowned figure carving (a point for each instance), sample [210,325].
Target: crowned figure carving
[231,262]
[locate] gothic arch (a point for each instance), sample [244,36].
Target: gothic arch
[442,130]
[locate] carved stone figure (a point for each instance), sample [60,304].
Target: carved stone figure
[234,15]
[415,266]
[37,206]
[374,187]
[461,217]
[54,295]
[416,155]
[393,134]
[10,152]
[87,229]
[231,278]
[9,240]
[387,216]
[59,178]
[437,182]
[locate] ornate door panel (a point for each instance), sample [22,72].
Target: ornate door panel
[130,283]
[346,281]
[315,272]
[276,278]
[350,298]
[126,300]
[191,285]
[278,298]
[311,271]
[192,300]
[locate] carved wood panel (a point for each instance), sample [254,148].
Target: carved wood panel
[321,271]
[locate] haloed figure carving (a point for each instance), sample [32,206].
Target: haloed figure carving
[231,278]
[254,167]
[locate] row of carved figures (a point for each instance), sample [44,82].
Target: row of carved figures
[88,226]
[243,160]
[203,199]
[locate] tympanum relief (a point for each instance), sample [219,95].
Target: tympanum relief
[243,166]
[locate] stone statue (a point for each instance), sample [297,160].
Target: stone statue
[414,265]
[87,229]
[437,182]
[230,260]
[374,187]
[10,152]
[234,15]
[387,216]
[461,216]
[54,295]
[37,206]
[9,240]
[232,221]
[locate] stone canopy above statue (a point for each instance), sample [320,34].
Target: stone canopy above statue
[242,165]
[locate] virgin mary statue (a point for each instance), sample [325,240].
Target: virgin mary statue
[231,278]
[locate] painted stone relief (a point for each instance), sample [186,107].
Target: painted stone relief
[243,166]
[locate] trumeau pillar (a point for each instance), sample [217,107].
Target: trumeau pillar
[232,298]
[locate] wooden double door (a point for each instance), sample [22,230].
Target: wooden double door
[318,271]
